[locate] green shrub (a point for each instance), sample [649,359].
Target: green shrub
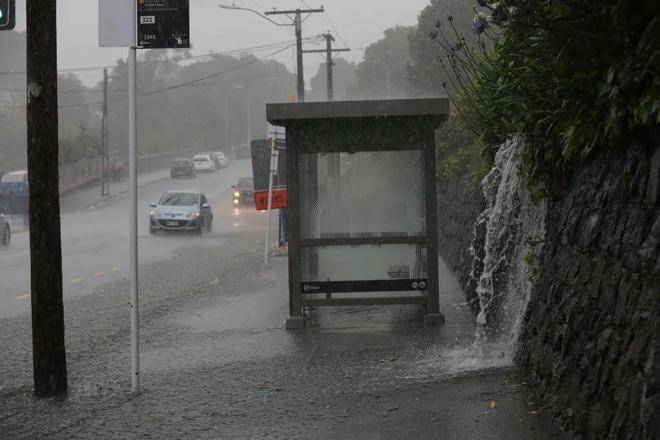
[460,153]
[575,78]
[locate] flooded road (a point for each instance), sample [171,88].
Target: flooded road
[215,362]
[95,239]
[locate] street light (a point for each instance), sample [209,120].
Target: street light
[249,126]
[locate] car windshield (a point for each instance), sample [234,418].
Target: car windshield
[181,163]
[245,182]
[179,199]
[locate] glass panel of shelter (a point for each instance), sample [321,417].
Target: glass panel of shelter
[362,194]
[376,195]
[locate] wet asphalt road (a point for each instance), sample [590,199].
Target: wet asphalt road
[95,240]
[216,364]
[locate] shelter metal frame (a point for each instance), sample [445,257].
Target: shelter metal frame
[361,126]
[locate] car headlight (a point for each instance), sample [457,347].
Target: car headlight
[237,194]
[152,213]
[194,214]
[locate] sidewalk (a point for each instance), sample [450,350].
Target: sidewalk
[217,365]
[87,197]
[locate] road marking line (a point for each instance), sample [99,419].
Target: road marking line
[99,274]
[76,280]
[24,296]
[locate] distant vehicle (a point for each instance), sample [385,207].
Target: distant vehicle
[216,159]
[182,168]
[204,163]
[15,176]
[224,160]
[243,191]
[181,211]
[5,228]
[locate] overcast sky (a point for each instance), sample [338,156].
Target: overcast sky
[358,22]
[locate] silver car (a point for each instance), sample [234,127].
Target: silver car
[181,211]
[5,228]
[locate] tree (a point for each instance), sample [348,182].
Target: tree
[384,70]
[178,111]
[344,77]
[425,73]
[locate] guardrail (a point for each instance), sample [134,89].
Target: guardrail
[87,172]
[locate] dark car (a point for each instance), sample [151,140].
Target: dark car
[182,168]
[243,191]
[181,211]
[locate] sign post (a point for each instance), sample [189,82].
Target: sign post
[271,174]
[153,24]
[163,24]
[133,221]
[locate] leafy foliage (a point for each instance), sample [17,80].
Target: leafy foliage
[460,153]
[384,70]
[576,78]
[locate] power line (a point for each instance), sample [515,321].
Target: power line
[91,90]
[334,28]
[176,86]
[226,52]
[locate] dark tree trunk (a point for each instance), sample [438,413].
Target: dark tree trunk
[49,355]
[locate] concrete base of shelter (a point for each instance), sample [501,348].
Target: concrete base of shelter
[293,323]
[434,319]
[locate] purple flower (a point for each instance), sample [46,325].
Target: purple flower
[479,24]
[457,46]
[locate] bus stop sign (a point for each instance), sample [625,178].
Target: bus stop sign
[163,24]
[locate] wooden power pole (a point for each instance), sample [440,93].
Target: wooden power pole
[49,354]
[328,51]
[297,23]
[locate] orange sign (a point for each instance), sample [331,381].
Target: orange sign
[279,199]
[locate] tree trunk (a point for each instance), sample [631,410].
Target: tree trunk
[49,355]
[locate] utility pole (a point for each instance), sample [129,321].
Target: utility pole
[328,51]
[105,154]
[297,22]
[48,348]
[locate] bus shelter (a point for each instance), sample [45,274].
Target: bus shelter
[362,204]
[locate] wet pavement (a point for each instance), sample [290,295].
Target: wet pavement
[217,365]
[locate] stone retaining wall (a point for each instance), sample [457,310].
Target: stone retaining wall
[590,336]
[460,202]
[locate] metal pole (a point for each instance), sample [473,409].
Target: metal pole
[299,57]
[105,161]
[249,115]
[271,174]
[388,87]
[231,150]
[133,225]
